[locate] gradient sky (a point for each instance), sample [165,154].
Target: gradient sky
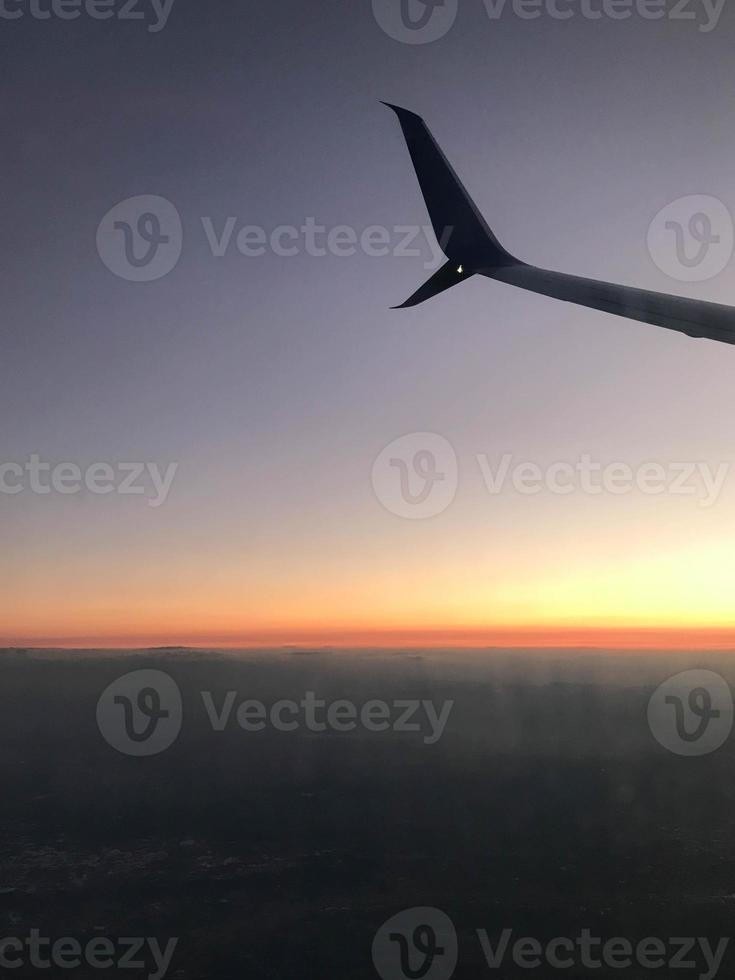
[275,382]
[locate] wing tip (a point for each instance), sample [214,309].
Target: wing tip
[403,114]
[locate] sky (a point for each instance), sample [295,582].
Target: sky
[276,385]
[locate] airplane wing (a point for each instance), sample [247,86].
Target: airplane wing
[471,248]
[694,317]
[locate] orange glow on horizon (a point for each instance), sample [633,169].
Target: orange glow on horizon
[459,582]
[551,637]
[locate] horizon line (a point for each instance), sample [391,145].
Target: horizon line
[552,637]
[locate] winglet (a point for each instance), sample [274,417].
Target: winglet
[462,232]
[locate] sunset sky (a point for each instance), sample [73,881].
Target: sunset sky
[275,382]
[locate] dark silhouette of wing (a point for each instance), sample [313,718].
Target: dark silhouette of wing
[458,225]
[471,248]
[446,277]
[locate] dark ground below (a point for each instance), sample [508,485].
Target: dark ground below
[546,807]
